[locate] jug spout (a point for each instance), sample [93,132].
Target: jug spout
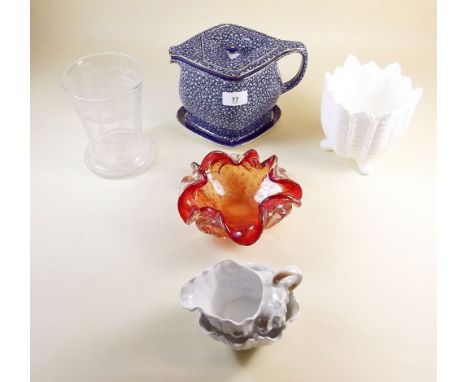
[173,54]
[188,296]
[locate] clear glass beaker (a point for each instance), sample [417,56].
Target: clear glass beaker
[106,92]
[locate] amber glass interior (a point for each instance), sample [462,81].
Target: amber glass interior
[232,189]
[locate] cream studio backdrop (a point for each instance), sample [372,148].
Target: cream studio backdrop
[108,257]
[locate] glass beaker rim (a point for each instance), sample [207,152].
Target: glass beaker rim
[138,81]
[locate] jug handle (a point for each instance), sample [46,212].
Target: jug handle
[295,47]
[289,277]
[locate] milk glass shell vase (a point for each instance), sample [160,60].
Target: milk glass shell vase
[365,109]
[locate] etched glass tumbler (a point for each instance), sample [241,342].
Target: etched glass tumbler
[106,92]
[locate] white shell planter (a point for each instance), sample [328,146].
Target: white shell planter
[365,109]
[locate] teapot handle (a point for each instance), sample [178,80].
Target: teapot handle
[289,277]
[295,47]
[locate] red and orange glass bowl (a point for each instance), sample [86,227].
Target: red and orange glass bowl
[237,196]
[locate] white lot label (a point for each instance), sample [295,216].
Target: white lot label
[235,98]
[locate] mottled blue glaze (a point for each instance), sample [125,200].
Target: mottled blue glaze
[230,58]
[228,137]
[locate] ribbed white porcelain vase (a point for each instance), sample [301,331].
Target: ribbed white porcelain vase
[365,109]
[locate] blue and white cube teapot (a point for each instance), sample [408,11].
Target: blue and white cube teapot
[230,82]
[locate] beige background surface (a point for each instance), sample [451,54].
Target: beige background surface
[109,257]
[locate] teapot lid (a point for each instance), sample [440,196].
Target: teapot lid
[229,51]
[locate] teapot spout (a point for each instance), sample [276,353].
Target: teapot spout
[173,54]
